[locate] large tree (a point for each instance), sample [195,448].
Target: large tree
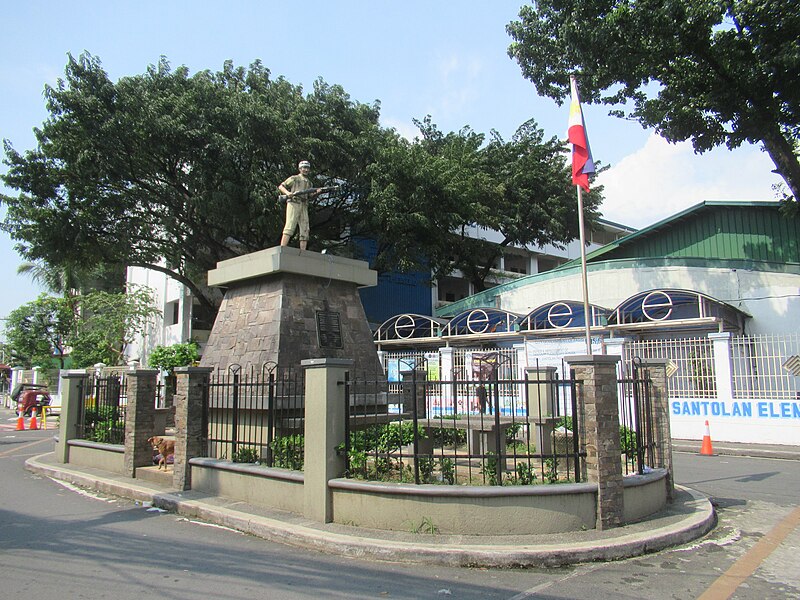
[444,196]
[38,331]
[176,172]
[89,328]
[712,71]
[170,171]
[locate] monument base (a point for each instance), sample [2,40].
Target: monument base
[283,305]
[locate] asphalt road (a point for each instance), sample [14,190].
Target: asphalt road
[60,542]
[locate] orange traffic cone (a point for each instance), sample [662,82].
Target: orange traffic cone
[706,449]
[20,422]
[33,424]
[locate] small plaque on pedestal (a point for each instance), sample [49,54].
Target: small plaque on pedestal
[329,329]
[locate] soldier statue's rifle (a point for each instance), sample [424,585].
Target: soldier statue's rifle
[308,192]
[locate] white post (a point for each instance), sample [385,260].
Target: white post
[616,347]
[723,373]
[446,366]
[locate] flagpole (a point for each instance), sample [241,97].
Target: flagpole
[587,318]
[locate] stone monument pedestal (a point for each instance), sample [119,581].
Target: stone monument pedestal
[283,305]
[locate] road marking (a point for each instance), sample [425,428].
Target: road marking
[23,446]
[213,525]
[579,571]
[82,492]
[727,583]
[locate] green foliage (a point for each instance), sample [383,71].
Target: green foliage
[426,465]
[288,451]
[103,424]
[565,423]
[627,441]
[426,525]
[550,471]
[168,166]
[108,322]
[424,193]
[93,327]
[448,469]
[40,330]
[246,455]
[525,474]
[167,358]
[370,448]
[448,436]
[489,468]
[512,432]
[712,72]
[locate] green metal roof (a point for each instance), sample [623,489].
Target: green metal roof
[754,235]
[722,230]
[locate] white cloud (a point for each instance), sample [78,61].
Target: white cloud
[662,179]
[406,129]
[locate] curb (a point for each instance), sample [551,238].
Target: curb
[700,522]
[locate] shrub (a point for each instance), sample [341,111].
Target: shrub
[287,451]
[448,469]
[627,440]
[245,455]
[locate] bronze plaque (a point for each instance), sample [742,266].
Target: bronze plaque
[329,329]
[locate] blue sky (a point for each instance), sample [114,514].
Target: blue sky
[446,59]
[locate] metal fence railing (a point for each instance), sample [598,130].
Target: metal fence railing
[101,412]
[464,431]
[692,361]
[637,433]
[256,416]
[766,367]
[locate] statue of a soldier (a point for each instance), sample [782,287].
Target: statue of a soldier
[297,190]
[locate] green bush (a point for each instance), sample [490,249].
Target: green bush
[103,425]
[448,436]
[426,465]
[176,355]
[627,440]
[287,451]
[565,423]
[525,474]
[448,468]
[369,448]
[245,455]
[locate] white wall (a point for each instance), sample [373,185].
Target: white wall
[772,299]
[165,291]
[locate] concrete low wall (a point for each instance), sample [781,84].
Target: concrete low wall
[254,484]
[108,457]
[644,494]
[464,510]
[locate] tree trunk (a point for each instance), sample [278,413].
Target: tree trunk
[781,151]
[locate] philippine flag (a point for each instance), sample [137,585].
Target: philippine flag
[582,163]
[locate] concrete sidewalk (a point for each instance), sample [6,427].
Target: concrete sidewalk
[689,517]
[739,449]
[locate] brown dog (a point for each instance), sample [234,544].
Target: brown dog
[165,448]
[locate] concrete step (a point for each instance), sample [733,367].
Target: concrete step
[155,475]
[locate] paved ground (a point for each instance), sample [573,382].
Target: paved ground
[689,517]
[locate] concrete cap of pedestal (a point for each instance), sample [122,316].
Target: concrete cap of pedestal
[292,260]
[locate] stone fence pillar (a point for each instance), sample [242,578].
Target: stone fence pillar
[656,368]
[596,378]
[139,418]
[73,384]
[324,431]
[190,398]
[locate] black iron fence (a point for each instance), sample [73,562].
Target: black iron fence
[101,413]
[489,431]
[256,415]
[485,431]
[637,427]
